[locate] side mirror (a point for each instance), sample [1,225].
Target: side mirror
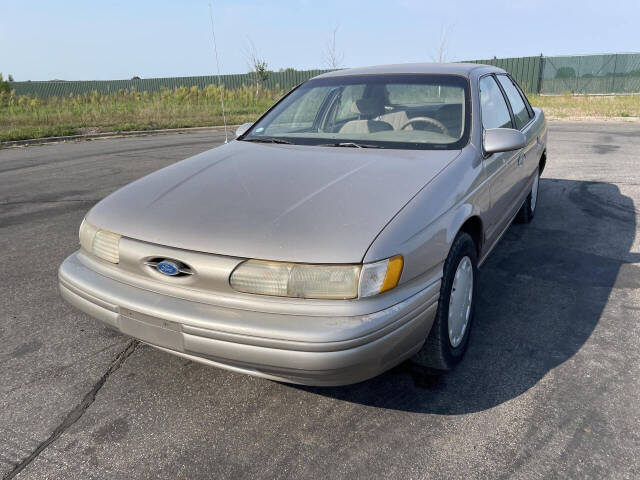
[241,130]
[503,140]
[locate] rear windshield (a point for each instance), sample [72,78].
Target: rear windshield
[387,111]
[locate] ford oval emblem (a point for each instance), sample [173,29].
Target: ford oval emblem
[167,267]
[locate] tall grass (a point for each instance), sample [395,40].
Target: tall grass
[23,116]
[588,106]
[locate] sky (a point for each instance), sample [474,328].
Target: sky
[90,40]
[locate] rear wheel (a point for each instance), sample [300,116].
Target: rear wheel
[449,335]
[528,209]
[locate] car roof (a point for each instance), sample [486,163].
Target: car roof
[464,69]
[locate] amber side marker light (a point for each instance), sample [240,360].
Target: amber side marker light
[394,270]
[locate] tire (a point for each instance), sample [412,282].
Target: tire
[440,352]
[528,209]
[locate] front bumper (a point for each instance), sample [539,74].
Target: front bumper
[207,333]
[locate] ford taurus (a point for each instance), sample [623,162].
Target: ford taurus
[335,237]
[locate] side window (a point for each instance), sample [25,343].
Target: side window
[520,111]
[495,113]
[348,97]
[302,112]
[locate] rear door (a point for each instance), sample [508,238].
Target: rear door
[501,168]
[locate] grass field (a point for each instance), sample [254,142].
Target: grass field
[24,117]
[588,106]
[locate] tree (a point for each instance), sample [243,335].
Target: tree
[566,72]
[4,86]
[257,64]
[332,57]
[442,51]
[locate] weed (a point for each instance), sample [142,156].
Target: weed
[23,116]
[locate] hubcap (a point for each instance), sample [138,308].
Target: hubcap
[534,191]
[460,301]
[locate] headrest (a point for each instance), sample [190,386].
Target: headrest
[369,107]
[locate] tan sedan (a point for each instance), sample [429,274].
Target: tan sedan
[336,237]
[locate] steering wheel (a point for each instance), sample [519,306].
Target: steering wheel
[429,120]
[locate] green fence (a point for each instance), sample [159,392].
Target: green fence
[526,70]
[581,74]
[284,80]
[591,74]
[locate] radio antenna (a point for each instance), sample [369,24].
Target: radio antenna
[215,50]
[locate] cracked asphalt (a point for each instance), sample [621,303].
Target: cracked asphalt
[550,386]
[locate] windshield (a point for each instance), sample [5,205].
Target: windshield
[384,111]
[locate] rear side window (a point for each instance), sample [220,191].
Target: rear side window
[495,113]
[520,110]
[524,97]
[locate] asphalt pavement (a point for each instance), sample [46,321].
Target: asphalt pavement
[550,386]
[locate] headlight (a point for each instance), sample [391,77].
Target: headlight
[101,243]
[316,281]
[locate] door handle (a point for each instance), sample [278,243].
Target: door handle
[520,159]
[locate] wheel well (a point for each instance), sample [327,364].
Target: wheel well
[473,226]
[543,162]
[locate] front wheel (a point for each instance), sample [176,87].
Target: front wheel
[449,335]
[528,209]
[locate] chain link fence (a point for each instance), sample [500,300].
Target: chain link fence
[576,74]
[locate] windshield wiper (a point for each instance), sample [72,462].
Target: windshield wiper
[267,140]
[351,144]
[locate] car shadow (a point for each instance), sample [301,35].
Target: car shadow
[541,293]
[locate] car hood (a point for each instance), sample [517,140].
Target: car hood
[274,202]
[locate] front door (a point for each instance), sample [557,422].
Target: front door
[502,168]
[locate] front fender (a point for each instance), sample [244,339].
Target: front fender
[424,229]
